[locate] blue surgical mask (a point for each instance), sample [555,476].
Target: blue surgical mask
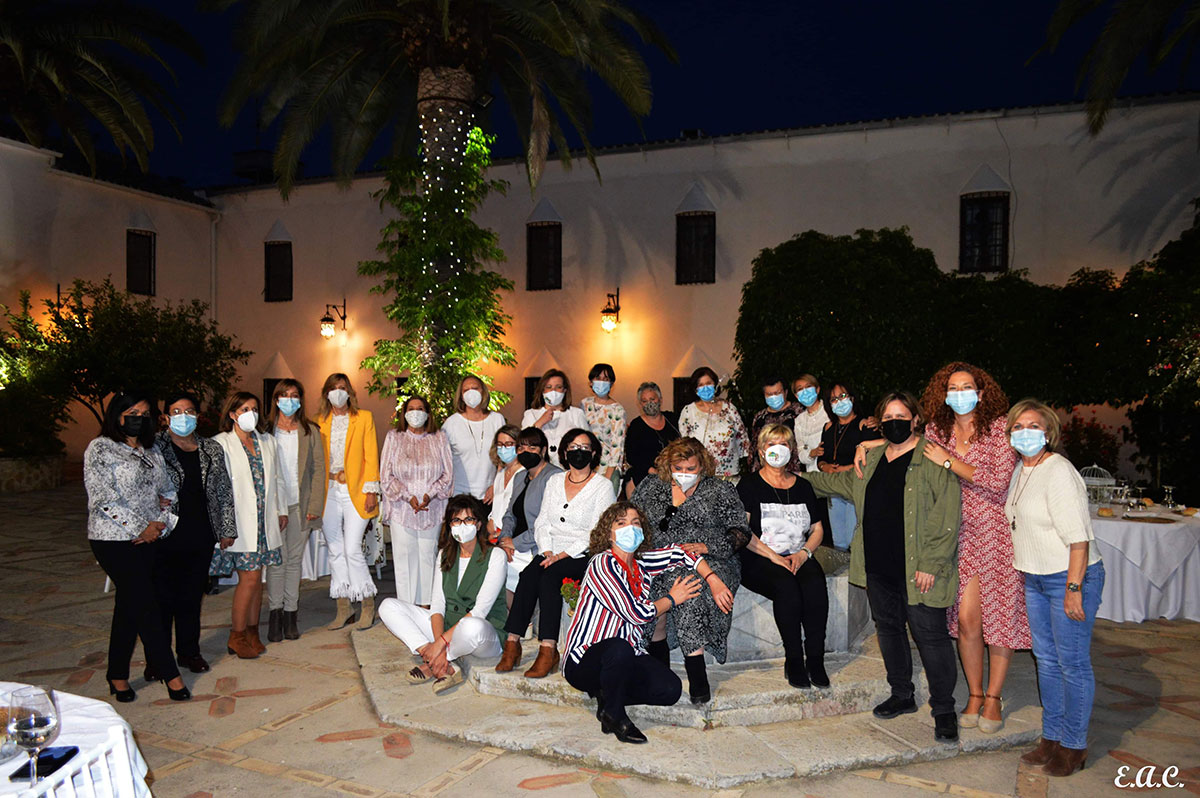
[506,453]
[962,402]
[1028,441]
[776,400]
[288,405]
[601,387]
[843,407]
[808,396]
[628,538]
[183,425]
[706,392]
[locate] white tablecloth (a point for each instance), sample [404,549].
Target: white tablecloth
[83,722]
[316,557]
[1151,570]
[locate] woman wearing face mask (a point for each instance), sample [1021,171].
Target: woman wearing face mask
[470,432]
[779,410]
[605,656]
[131,503]
[571,504]
[205,511]
[1054,547]
[716,423]
[780,562]
[504,458]
[465,615]
[351,498]
[606,419]
[810,421]
[653,429]
[416,473]
[552,411]
[302,464]
[904,554]
[687,505]
[838,442]
[517,536]
[260,507]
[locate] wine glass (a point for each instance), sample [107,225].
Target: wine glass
[1168,496]
[32,721]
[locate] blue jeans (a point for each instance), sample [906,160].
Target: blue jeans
[1062,648]
[842,521]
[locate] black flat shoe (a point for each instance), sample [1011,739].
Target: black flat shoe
[196,664]
[894,707]
[945,727]
[123,696]
[625,731]
[182,694]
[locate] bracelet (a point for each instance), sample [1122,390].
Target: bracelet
[672,600]
[710,573]
[444,640]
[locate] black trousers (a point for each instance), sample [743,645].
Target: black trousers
[135,610]
[180,580]
[891,611]
[799,601]
[542,587]
[611,668]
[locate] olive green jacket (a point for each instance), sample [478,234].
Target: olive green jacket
[931,514]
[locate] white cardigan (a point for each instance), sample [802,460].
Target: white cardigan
[245,506]
[566,526]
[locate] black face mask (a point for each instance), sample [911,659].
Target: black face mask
[897,430]
[579,458]
[529,460]
[134,426]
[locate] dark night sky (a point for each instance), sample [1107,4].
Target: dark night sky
[743,66]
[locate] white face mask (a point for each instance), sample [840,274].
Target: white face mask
[247,421]
[553,398]
[778,455]
[463,532]
[338,397]
[684,481]
[416,418]
[472,397]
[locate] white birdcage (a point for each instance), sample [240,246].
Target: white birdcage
[1099,484]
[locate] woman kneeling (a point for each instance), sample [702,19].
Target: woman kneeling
[604,656]
[464,616]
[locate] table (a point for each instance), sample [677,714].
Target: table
[84,722]
[1151,570]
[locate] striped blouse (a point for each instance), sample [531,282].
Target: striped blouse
[607,607]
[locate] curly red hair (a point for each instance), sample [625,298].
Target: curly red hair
[993,402]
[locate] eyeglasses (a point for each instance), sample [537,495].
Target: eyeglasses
[840,396]
[582,448]
[191,413]
[460,521]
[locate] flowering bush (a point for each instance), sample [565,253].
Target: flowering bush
[570,592]
[1087,442]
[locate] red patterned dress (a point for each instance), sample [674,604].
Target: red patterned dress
[985,547]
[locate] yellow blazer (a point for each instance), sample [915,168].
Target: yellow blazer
[362,456]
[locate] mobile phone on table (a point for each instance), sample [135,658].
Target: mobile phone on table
[50,760]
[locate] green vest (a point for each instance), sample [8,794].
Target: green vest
[460,596]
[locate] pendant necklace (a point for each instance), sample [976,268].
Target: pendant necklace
[1021,488]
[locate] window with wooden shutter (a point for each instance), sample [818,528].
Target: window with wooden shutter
[543,256]
[695,248]
[139,262]
[277,283]
[682,390]
[983,232]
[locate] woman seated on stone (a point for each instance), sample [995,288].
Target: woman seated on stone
[520,517]
[779,562]
[686,504]
[604,655]
[465,616]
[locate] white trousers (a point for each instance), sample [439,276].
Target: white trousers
[343,527]
[413,626]
[415,554]
[519,561]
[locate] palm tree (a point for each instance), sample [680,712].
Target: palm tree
[67,66]
[1134,28]
[366,67]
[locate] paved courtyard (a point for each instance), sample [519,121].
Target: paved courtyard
[298,722]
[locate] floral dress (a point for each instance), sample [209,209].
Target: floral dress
[985,547]
[607,423]
[722,433]
[224,561]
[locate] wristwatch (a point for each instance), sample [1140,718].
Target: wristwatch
[1074,587]
[946,465]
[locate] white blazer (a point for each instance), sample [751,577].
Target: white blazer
[245,505]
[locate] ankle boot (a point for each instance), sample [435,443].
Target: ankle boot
[697,673]
[510,656]
[659,650]
[344,615]
[814,656]
[367,618]
[1042,754]
[253,639]
[291,631]
[795,672]
[275,626]
[239,645]
[546,662]
[1065,761]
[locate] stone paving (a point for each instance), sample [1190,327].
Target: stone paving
[298,722]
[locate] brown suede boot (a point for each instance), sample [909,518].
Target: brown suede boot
[510,657]
[238,644]
[367,614]
[1065,761]
[1042,754]
[253,639]
[546,662]
[345,614]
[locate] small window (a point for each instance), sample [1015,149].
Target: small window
[983,232]
[530,390]
[139,262]
[278,270]
[695,248]
[543,256]
[683,392]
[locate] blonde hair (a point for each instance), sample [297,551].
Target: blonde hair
[684,449]
[326,408]
[485,404]
[512,431]
[1050,420]
[777,433]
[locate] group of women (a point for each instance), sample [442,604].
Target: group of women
[961,521]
